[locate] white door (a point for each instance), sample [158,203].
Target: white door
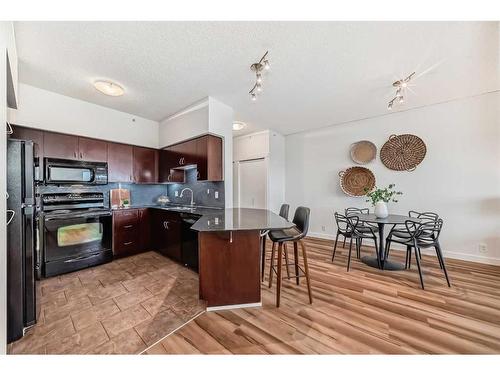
[252,183]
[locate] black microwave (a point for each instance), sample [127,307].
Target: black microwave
[75,172]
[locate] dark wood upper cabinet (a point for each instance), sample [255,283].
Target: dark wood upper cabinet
[145,164]
[209,158]
[92,149]
[120,162]
[205,151]
[60,146]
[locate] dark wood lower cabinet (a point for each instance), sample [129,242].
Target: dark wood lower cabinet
[127,235]
[166,234]
[145,229]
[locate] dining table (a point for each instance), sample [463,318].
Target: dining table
[393,220]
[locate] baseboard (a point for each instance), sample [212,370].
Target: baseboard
[448,254]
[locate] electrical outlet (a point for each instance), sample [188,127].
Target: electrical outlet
[483,248]
[216,195]
[323,228]
[176,193]
[208,191]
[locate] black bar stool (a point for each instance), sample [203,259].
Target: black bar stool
[295,235]
[284,214]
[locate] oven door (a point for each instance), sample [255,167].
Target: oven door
[70,237]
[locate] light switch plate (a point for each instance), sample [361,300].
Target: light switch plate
[216,195]
[176,193]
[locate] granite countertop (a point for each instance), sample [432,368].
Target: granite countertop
[231,219]
[219,219]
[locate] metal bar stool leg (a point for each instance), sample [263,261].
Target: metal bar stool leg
[306,269]
[296,257]
[278,281]
[272,264]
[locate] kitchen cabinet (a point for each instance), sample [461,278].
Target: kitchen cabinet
[145,164]
[205,152]
[145,229]
[61,146]
[166,233]
[209,158]
[120,162]
[126,235]
[92,149]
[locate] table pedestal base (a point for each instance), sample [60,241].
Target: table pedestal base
[388,265]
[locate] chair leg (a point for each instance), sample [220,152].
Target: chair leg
[349,257]
[272,264]
[306,269]
[409,258]
[417,258]
[408,254]
[296,257]
[278,276]
[286,261]
[334,246]
[343,245]
[387,247]
[441,258]
[419,254]
[358,250]
[350,242]
[263,260]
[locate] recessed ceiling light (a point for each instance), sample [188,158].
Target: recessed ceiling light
[238,125]
[109,88]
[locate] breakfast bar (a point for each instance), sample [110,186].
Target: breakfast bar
[229,255]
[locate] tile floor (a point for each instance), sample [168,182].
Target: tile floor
[122,307]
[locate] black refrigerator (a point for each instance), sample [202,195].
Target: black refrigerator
[21,294]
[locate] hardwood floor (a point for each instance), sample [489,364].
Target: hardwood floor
[362,311]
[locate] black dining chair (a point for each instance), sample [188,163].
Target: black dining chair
[350,227]
[284,209]
[362,226]
[418,236]
[295,235]
[422,216]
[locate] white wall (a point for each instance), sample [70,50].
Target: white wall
[47,110]
[220,123]
[184,125]
[459,177]
[6,42]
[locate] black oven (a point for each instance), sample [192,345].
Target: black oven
[75,172]
[75,240]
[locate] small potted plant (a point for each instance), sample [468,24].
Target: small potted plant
[380,197]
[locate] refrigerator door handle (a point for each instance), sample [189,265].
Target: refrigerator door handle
[9,128]
[12,217]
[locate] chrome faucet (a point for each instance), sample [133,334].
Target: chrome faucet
[192,195]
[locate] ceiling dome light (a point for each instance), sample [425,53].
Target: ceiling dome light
[238,125]
[109,88]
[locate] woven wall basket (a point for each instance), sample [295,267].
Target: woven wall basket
[363,152]
[354,180]
[403,152]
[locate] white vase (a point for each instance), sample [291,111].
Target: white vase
[381,210]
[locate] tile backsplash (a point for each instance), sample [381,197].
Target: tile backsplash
[147,194]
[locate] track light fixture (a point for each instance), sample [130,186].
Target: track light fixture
[401,86]
[258,68]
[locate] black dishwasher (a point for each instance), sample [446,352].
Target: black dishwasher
[189,241]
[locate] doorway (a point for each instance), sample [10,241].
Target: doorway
[252,183]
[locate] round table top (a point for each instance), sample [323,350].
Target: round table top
[391,219]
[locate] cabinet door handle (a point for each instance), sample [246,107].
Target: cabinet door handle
[127,243]
[198,175]
[74,154]
[165,224]
[81,155]
[128,226]
[168,178]
[180,161]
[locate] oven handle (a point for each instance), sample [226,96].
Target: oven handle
[79,216]
[81,258]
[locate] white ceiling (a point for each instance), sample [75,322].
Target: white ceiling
[323,73]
